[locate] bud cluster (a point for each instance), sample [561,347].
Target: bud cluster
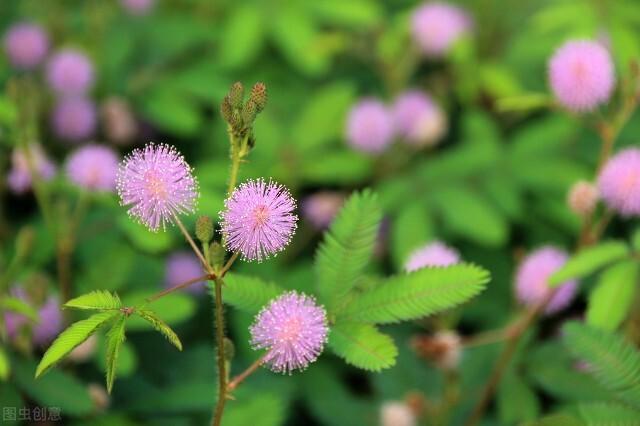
[240,114]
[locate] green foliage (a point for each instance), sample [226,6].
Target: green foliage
[77,333]
[347,247]
[614,362]
[173,308]
[363,345]
[517,400]
[611,299]
[96,300]
[417,294]
[608,413]
[5,366]
[115,339]
[590,260]
[411,228]
[160,326]
[13,304]
[249,294]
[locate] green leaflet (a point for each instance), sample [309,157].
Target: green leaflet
[610,300]
[77,333]
[19,306]
[614,362]
[589,260]
[249,294]
[417,294]
[363,346]
[608,413]
[160,326]
[347,247]
[5,366]
[98,299]
[115,338]
[516,399]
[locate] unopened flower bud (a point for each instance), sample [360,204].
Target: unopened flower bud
[396,413]
[216,254]
[444,349]
[236,95]
[249,112]
[583,197]
[229,349]
[204,229]
[226,109]
[259,95]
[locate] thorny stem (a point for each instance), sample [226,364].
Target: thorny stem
[222,373]
[233,384]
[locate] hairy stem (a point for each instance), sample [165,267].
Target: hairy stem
[180,286]
[246,373]
[222,373]
[193,245]
[227,265]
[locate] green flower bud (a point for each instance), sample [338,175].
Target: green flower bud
[259,95]
[249,112]
[229,349]
[226,110]
[204,229]
[216,254]
[236,95]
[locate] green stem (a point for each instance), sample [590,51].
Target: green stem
[193,245]
[222,373]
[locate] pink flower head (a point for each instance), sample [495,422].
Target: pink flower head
[157,184]
[321,207]
[418,119]
[581,74]
[583,197]
[619,182]
[93,167]
[20,179]
[433,254]
[181,267]
[70,73]
[370,126]
[258,219]
[293,329]
[26,45]
[137,7]
[49,321]
[532,279]
[436,26]
[74,119]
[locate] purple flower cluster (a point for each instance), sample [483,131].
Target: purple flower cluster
[26,45]
[370,126]
[93,167]
[433,254]
[619,182]
[581,74]
[293,329]
[156,183]
[418,119]
[532,279]
[258,219]
[23,163]
[181,267]
[436,26]
[48,325]
[74,119]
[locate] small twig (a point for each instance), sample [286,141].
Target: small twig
[233,384]
[193,245]
[180,286]
[227,265]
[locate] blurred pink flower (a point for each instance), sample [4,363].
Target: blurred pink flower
[583,197]
[581,74]
[74,119]
[49,322]
[93,167]
[532,279]
[156,183]
[19,179]
[258,219]
[293,329]
[320,208]
[26,45]
[418,119]
[70,73]
[370,126]
[433,254]
[436,26]
[137,7]
[619,182]
[181,267]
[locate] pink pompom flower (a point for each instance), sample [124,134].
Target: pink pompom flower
[293,329]
[93,167]
[370,126]
[619,182]
[23,162]
[436,26]
[183,266]
[433,254]
[321,207]
[70,73]
[157,185]
[258,219]
[581,75]
[26,45]
[532,279]
[418,119]
[74,119]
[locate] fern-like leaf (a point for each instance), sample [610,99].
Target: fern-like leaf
[613,361]
[96,300]
[115,339]
[363,346]
[608,414]
[248,294]
[77,333]
[347,247]
[417,294]
[590,260]
[160,326]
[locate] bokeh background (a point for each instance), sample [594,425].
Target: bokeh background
[492,184]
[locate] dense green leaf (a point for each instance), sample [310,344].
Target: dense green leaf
[97,299]
[412,228]
[358,14]
[363,345]
[559,419]
[611,299]
[517,401]
[417,294]
[77,333]
[160,326]
[614,362]
[608,414]
[256,409]
[5,366]
[249,294]
[115,339]
[590,260]
[242,36]
[347,247]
